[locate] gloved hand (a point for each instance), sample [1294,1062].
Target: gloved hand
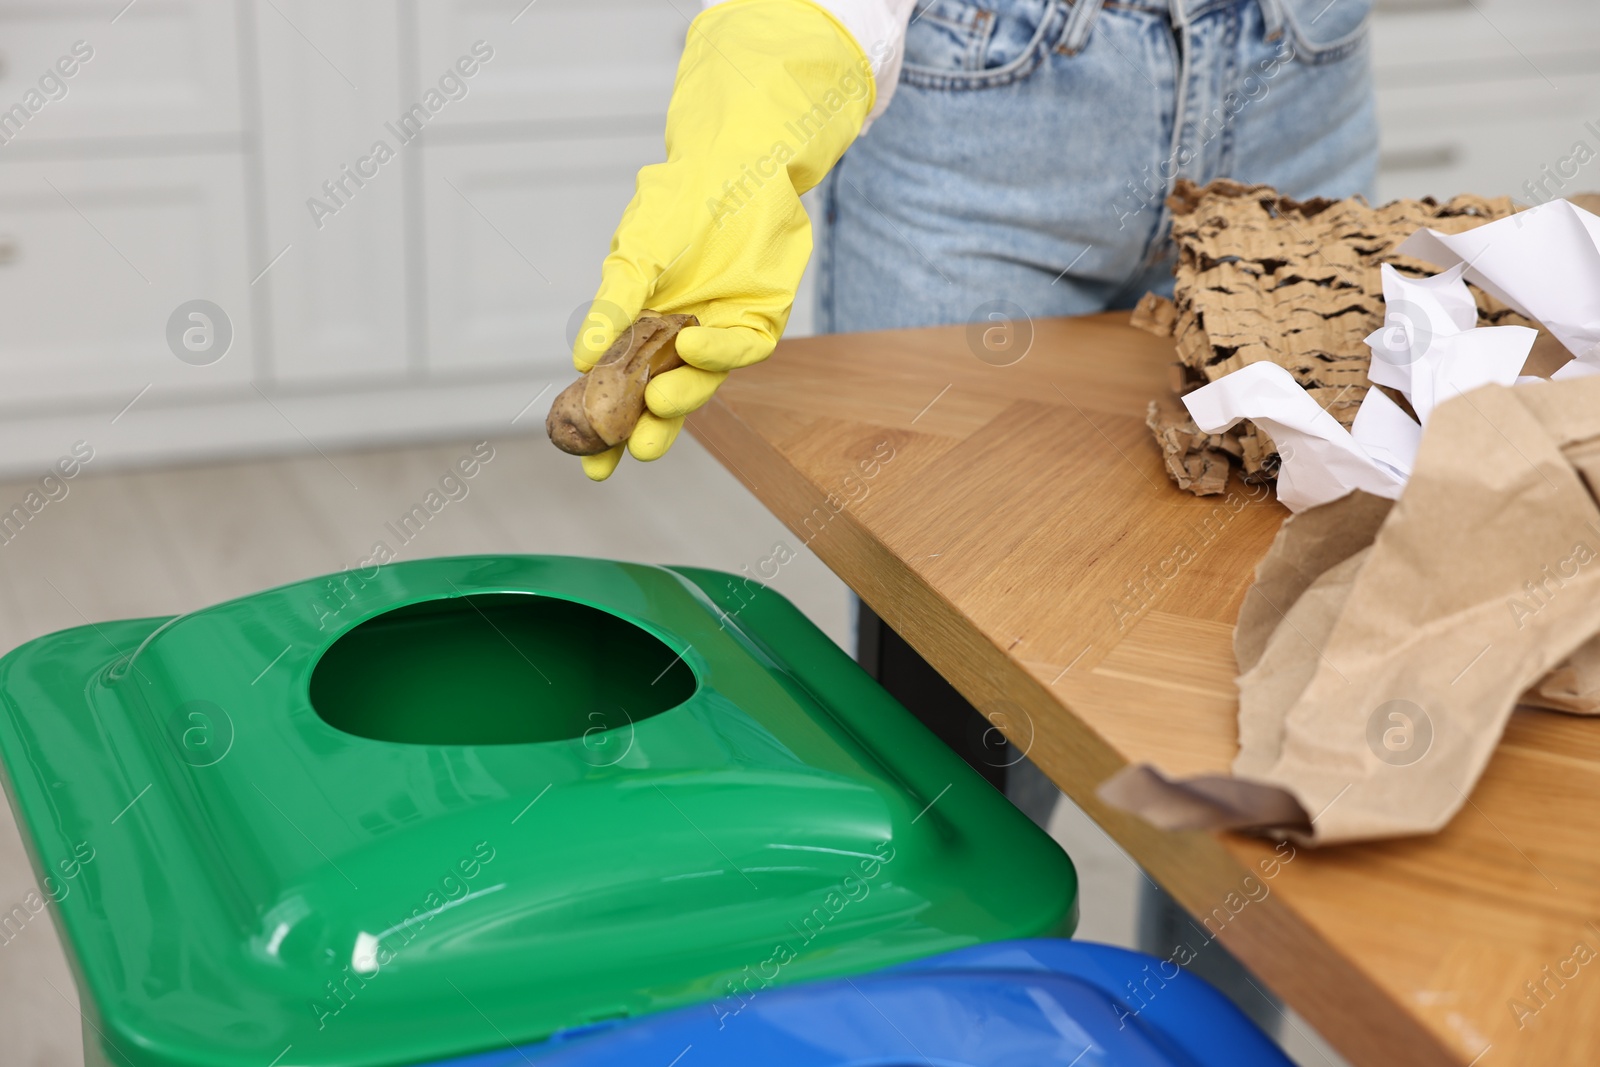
[769,94]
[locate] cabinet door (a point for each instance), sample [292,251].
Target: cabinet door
[161,69]
[94,262]
[1418,41]
[516,234]
[599,62]
[330,85]
[1516,138]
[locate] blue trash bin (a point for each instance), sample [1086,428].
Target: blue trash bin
[1006,1004]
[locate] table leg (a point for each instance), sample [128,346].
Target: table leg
[1163,924]
[937,704]
[934,701]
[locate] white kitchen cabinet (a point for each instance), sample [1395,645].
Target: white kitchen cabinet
[330,78]
[525,177]
[590,65]
[125,192]
[1440,41]
[434,294]
[1491,137]
[1480,95]
[164,69]
[516,233]
[95,261]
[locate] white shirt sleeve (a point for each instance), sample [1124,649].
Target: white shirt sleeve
[879,27]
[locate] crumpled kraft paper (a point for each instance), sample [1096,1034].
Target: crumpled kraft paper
[1384,646]
[1324,547]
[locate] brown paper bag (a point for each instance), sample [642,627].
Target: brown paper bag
[1378,679]
[1313,543]
[1573,687]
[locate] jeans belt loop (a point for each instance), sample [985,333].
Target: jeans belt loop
[1272,18]
[1080,21]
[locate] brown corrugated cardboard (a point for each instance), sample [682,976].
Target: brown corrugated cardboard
[1263,277]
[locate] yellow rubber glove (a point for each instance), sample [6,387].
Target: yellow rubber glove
[768,96]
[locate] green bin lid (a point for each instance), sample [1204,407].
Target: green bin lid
[435,807]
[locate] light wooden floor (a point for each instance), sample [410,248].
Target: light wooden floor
[156,542]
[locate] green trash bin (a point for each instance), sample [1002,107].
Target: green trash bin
[396,815]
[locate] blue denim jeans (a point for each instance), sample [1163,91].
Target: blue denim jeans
[1025,157]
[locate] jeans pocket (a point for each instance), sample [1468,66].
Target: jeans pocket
[958,44]
[1324,31]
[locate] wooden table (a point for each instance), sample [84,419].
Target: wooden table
[1014,524]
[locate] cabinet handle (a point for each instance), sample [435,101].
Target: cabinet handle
[1424,158]
[8,251]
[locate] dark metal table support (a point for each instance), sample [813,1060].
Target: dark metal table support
[1163,924]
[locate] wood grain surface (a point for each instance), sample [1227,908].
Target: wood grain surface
[1015,525]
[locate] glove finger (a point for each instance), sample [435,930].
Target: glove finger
[616,305]
[653,436]
[599,467]
[724,348]
[677,392]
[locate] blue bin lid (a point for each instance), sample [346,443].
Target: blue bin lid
[1007,1004]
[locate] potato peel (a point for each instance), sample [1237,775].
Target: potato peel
[600,409]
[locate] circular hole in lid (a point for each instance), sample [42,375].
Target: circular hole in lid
[495,669]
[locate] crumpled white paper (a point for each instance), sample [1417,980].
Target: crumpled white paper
[1316,453]
[1544,262]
